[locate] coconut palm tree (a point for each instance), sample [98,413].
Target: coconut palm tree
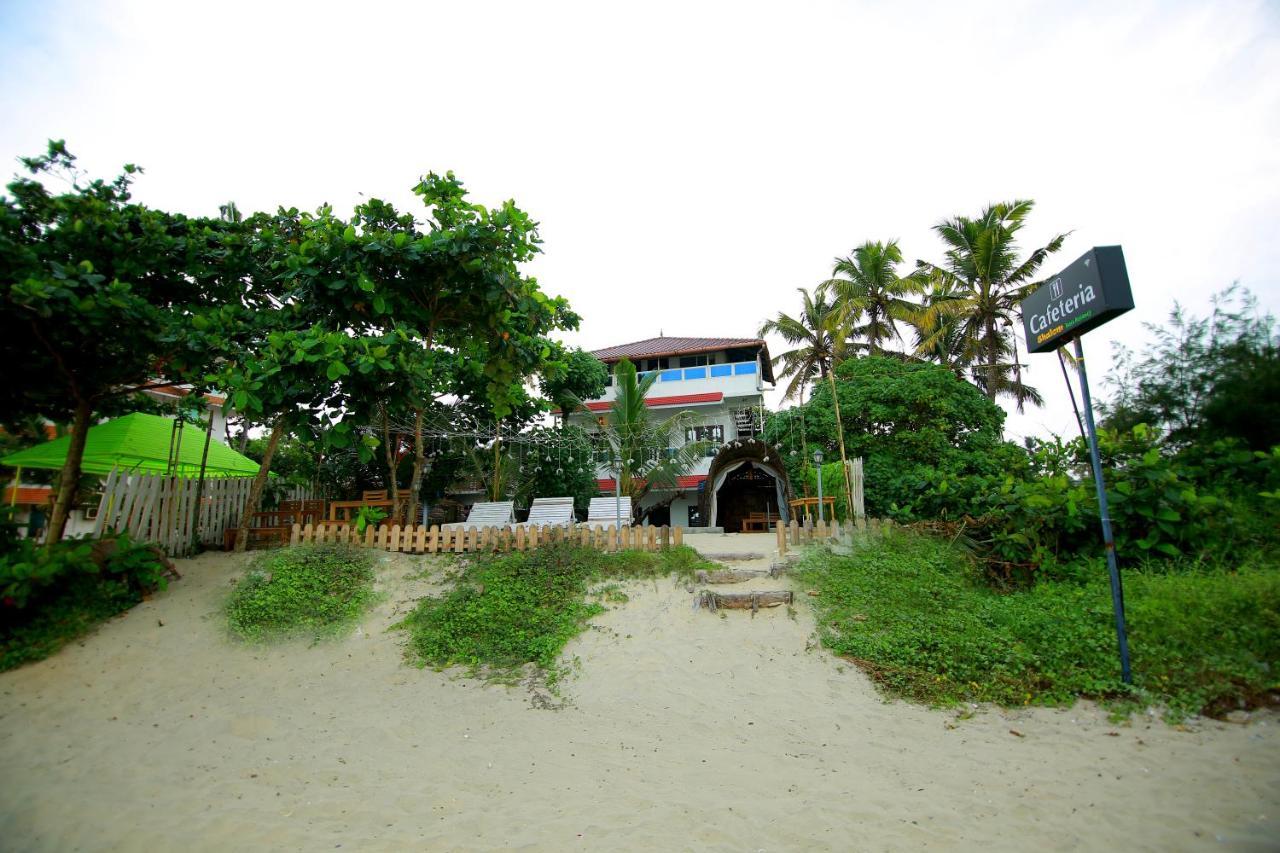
[812,335]
[870,297]
[976,292]
[645,454]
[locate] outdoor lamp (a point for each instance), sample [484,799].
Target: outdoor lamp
[817,457]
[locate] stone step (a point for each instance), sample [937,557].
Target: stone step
[731,557]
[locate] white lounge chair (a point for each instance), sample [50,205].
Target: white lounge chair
[550,512]
[604,512]
[492,514]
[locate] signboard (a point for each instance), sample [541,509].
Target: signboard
[1082,297]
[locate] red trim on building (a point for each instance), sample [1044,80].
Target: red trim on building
[677,400]
[28,495]
[690,482]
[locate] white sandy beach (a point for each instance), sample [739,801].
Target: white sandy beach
[682,730]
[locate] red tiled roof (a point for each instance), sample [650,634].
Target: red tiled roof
[676,400]
[28,495]
[655,347]
[664,346]
[690,482]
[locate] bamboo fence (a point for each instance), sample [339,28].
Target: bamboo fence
[420,539]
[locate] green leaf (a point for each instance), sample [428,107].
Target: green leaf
[336,370]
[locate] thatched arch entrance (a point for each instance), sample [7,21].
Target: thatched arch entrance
[746,476]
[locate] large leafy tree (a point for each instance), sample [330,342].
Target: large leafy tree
[97,298]
[871,298]
[914,424]
[574,377]
[646,454]
[976,293]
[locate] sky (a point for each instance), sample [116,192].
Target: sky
[692,164]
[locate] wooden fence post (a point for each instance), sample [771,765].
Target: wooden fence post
[781,533]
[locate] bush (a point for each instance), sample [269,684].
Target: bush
[509,610]
[50,596]
[915,614]
[306,590]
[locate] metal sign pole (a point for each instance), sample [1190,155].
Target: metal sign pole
[1117,591]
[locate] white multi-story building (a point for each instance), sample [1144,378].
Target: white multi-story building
[722,382]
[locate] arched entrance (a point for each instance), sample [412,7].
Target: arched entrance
[745,477]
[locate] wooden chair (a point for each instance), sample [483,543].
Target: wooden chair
[604,512]
[490,514]
[550,512]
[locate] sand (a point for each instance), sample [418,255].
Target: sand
[682,730]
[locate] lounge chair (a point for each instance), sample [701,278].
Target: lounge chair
[550,512]
[492,514]
[604,512]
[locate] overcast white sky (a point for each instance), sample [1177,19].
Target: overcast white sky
[693,163]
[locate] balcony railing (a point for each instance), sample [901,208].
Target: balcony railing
[706,371]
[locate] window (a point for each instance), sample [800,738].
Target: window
[695,360]
[713,435]
[695,516]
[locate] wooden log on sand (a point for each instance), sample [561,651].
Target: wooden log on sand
[731,557]
[752,601]
[728,575]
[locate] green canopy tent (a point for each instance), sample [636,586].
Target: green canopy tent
[138,443]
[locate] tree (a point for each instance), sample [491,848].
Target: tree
[556,463]
[811,334]
[576,376]
[976,293]
[914,424]
[822,347]
[1204,378]
[870,297]
[645,454]
[97,298]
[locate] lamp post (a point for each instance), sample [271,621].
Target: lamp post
[817,460]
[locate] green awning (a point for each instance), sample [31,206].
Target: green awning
[138,443]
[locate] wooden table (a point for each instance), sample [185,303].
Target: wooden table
[759,521]
[334,506]
[809,507]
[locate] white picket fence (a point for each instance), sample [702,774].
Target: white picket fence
[159,509]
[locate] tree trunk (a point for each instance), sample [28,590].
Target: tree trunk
[259,483]
[993,354]
[844,465]
[497,462]
[419,459]
[393,487]
[70,477]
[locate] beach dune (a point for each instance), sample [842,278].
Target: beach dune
[677,729]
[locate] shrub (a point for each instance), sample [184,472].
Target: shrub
[307,590]
[52,595]
[913,612]
[509,610]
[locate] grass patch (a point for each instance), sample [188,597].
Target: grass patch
[509,610]
[915,614]
[314,591]
[53,595]
[72,612]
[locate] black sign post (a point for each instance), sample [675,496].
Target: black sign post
[1082,297]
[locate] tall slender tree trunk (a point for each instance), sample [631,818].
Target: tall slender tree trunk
[259,483]
[419,459]
[497,461]
[393,486]
[993,354]
[70,476]
[844,462]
